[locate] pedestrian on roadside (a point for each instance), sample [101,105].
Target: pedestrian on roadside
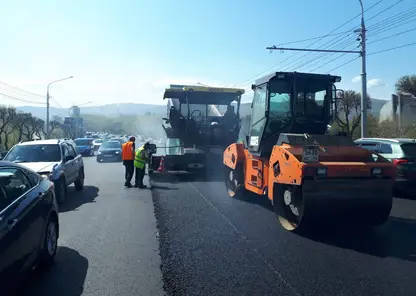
[127,154]
[142,156]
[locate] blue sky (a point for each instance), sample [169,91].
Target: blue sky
[129,51]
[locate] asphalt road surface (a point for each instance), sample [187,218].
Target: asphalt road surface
[108,240]
[213,245]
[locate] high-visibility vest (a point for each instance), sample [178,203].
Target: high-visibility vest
[139,162]
[127,151]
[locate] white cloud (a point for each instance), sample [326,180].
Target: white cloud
[376,83]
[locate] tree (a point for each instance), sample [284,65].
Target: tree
[407,84]
[349,111]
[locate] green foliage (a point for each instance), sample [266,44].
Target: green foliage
[407,84]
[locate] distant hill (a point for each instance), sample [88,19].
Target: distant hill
[114,110]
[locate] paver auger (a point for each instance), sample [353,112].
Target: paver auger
[308,175]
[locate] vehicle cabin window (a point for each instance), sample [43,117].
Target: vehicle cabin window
[258,118]
[72,151]
[65,150]
[13,184]
[33,177]
[370,146]
[386,149]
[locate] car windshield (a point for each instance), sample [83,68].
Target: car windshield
[35,153]
[110,145]
[98,141]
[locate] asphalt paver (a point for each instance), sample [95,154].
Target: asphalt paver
[211,244]
[108,240]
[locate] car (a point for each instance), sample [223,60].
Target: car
[29,223]
[402,152]
[97,143]
[109,151]
[85,146]
[56,159]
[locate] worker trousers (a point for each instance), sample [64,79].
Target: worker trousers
[140,172]
[129,166]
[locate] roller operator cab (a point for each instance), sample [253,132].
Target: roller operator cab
[308,175]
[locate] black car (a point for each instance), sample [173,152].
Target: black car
[29,223]
[109,151]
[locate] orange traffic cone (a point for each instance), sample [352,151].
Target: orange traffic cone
[161,167]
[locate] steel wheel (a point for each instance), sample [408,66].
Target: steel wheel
[289,207]
[234,183]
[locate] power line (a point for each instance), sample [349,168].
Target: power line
[383,11]
[394,18]
[346,63]
[392,48]
[314,38]
[19,99]
[20,89]
[374,53]
[391,36]
[344,24]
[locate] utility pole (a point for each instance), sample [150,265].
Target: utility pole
[362,52]
[364,98]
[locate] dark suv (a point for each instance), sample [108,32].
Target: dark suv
[402,152]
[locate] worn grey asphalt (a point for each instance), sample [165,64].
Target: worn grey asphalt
[108,243]
[214,245]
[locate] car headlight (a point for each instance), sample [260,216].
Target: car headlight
[117,152]
[99,152]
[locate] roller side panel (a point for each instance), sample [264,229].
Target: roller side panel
[233,155]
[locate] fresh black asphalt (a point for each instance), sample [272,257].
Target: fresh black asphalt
[211,244]
[214,245]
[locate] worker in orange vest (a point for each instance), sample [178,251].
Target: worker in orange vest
[127,154]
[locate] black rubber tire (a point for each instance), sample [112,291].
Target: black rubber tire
[61,192]
[79,183]
[47,255]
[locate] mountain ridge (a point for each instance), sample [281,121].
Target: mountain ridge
[115,110]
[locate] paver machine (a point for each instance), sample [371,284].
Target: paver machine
[199,120]
[309,176]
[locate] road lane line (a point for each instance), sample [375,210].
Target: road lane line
[276,272]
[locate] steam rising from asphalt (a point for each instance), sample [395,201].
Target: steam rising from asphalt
[150,126]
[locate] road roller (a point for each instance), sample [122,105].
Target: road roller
[309,175]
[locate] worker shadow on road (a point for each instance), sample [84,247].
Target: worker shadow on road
[75,199]
[65,278]
[395,239]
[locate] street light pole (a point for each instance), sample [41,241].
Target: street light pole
[48,102]
[364,99]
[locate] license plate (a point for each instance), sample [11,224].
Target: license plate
[107,155]
[310,154]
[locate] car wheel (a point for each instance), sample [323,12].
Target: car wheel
[79,183]
[50,243]
[61,190]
